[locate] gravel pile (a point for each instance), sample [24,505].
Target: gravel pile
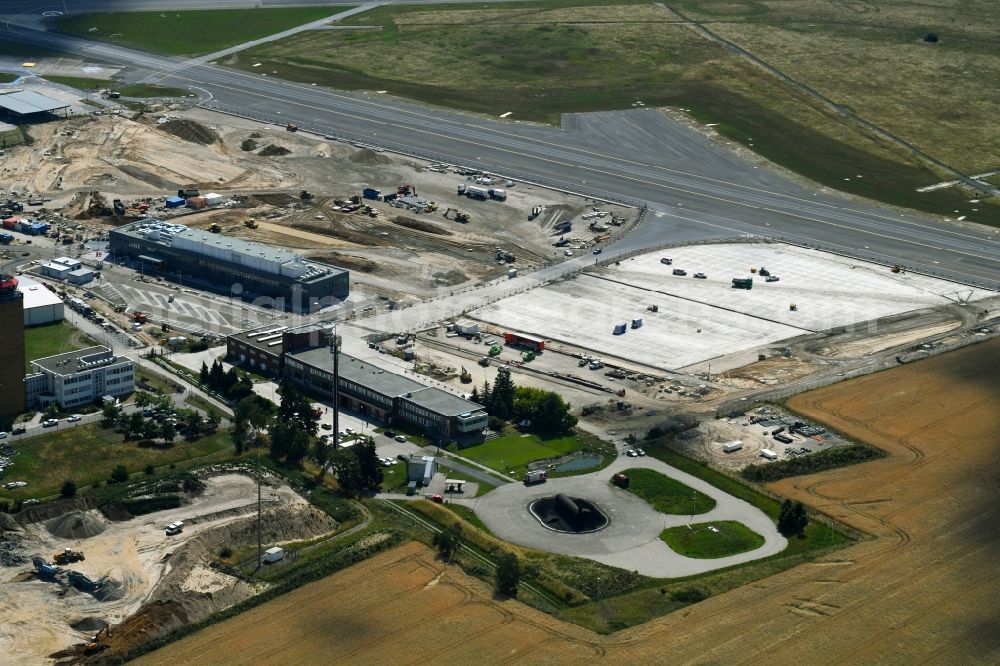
[75,525]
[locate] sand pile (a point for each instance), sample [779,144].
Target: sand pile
[274,151]
[190,130]
[89,624]
[426,227]
[368,156]
[75,525]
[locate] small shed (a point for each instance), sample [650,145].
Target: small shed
[175,202]
[275,554]
[214,199]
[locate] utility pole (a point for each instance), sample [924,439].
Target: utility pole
[335,352]
[260,545]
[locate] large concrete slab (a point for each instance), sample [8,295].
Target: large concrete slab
[700,319]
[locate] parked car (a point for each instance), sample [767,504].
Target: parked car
[19,431]
[436,497]
[771,278]
[48,423]
[400,438]
[326,426]
[3,435]
[568,253]
[701,276]
[640,452]
[631,453]
[597,250]
[389,433]
[73,418]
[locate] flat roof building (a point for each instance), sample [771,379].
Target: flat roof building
[11,347]
[79,378]
[29,105]
[41,304]
[303,356]
[230,265]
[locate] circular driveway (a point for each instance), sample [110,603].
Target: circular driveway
[632,538]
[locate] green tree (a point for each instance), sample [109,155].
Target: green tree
[288,442]
[192,424]
[486,395]
[150,429]
[68,489]
[546,410]
[501,402]
[345,465]
[448,541]
[369,465]
[119,474]
[321,455]
[250,417]
[150,470]
[144,399]
[792,519]
[167,431]
[295,406]
[52,410]
[508,574]
[203,375]
[110,415]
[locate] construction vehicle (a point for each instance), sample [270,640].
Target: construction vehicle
[305,196]
[665,261]
[742,283]
[793,307]
[528,356]
[505,257]
[406,190]
[215,229]
[535,212]
[119,206]
[84,583]
[653,308]
[459,215]
[898,269]
[763,272]
[466,376]
[44,569]
[97,644]
[250,223]
[495,350]
[139,317]
[484,361]
[68,556]
[291,128]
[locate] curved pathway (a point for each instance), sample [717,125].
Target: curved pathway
[632,538]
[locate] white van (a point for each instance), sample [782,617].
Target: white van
[174,528]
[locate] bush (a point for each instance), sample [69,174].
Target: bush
[689,595]
[508,574]
[119,474]
[496,424]
[931,38]
[814,462]
[225,552]
[138,507]
[149,470]
[68,489]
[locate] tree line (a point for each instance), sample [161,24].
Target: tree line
[504,401]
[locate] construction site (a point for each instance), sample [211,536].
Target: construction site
[73,572]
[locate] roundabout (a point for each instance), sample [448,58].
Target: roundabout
[629,538]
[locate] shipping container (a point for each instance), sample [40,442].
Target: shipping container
[196,202]
[620,329]
[732,446]
[214,199]
[768,454]
[174,202]
[369,193]
[637,322]
[272,555]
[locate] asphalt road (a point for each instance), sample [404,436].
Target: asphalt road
[696,189]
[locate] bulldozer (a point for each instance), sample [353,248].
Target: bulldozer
[68,556]
[215,229]
[250,223]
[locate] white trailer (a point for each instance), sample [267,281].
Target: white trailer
[272,555]
[768,454]
[732,446]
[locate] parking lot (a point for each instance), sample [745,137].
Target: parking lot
[700,319]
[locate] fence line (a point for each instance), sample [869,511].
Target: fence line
[742,405]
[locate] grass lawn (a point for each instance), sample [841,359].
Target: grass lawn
[51,339]
[157,383]
[80,82]
[128,90]
[394,478]
[88,453]
[712,540]
[189,32]
[540,59]
[667,495]
[512,451]
[6,77]
[199,402]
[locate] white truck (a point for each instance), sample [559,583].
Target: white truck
[272,555]
[768,454]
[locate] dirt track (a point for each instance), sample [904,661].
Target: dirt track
[922,590]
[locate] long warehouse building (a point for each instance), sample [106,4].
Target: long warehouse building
[230,265]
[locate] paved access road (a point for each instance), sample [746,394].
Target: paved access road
[632,538]
[697,189]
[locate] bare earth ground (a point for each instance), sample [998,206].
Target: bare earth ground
[922,590]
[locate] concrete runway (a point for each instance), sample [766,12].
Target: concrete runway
[695,188]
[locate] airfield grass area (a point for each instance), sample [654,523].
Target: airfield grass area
[189,32]
[538,60]
[51,339]
[712,540]
[88,453]
[128,90]
[667,495]
[6,77]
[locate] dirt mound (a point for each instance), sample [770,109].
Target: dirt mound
[272,199]
[7,523]
[189,130]
[368,156]
[450,278]
[89,624]
[360,264]
[248,145]
[274,151]
[75,525]
[418,225]
[112,590]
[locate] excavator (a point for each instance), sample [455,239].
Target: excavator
[466,376]
[97,644]
[459,215]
